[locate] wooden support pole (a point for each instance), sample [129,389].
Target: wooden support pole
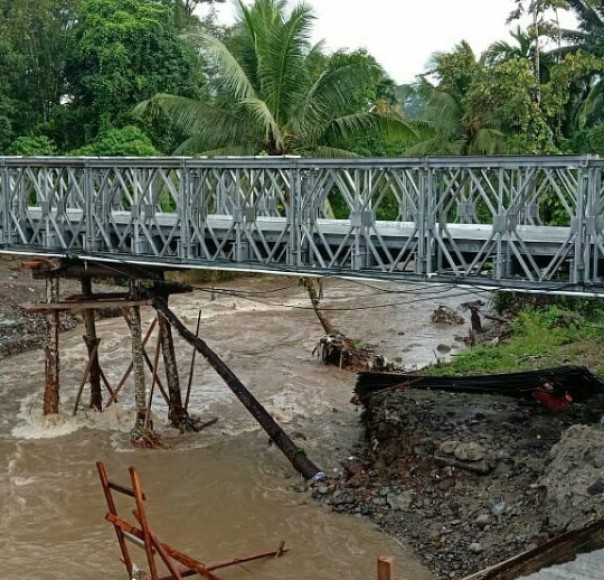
[153,378]
[127,372]
[150,365]
[385,566]
[85,376]
[177,412]
[90,339]
[106,382]
[295,454]
[52,365]
[140,396]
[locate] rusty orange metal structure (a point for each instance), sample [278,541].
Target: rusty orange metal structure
[178,564]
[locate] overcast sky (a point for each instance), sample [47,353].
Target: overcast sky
[402,34]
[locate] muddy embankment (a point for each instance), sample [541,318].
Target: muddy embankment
[469,480]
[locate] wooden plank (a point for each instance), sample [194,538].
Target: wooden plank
[97,296]
[384,567]
[84,305]
[561,549]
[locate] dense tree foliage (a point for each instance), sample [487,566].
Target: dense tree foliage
[276,94]
[72,73]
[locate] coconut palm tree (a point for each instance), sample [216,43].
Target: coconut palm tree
[271,93]
[446,128]
[437,105]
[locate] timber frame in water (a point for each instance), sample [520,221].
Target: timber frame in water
[335,348]
[146,287]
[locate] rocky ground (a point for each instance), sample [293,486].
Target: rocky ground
[470,480]
[21,330]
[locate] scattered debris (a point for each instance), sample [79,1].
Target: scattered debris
[468,480]
[555,387]
[445,315]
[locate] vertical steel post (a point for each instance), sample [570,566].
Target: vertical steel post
[293,212]
[90,244]
[183,212]
[578,226]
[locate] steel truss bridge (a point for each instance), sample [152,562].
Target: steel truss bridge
[532,223]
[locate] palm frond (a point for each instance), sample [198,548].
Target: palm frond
[325,151]
[282,62]
[232,75]
[215,126]
[487,142]
[349,127]
[262,114]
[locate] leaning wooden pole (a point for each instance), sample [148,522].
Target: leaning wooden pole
[315,300]
[296,455]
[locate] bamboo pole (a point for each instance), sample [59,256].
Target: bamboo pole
[126,374]
[140,398]
[153,377]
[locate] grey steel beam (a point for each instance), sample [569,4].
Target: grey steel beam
[530,221]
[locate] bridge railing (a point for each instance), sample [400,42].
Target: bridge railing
[532,219]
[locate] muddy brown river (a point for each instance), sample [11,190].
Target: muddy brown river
[222,492]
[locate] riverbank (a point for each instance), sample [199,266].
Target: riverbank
[456,520]
[470,480]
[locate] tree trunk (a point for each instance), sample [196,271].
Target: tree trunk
[309,284]
[96,395]
[296,456]
[537,55]
[140,398]
[52,366]
[176,413]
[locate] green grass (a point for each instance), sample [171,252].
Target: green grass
[540,337]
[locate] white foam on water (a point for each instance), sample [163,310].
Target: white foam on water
[33,424]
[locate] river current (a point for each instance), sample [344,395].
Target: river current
[223,492]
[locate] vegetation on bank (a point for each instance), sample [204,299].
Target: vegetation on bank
[125,77]
[541,333]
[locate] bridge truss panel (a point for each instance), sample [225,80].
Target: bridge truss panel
[533,222]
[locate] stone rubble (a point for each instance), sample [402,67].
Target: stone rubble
[470,480]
